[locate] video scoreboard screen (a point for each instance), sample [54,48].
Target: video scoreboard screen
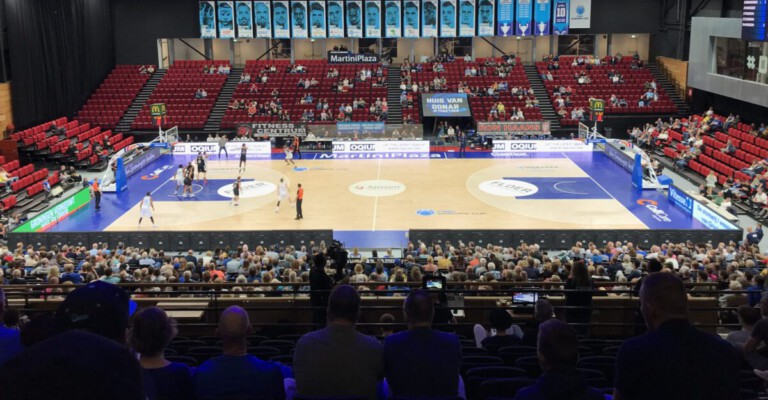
[753,20]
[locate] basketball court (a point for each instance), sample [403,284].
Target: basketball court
[424,191]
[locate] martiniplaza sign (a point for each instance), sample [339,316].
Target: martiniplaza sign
[233,148]
[383,146]
[279,130]
[514,128]
[345,57]
[540,146]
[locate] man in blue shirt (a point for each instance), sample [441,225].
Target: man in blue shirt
[422,362]
[236,374]
[657,364]
[10,343]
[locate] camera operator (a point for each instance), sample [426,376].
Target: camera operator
[320,283]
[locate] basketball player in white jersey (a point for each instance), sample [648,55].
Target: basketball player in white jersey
[179,177]
[289,156]
[202,164]
[146,210]
[282,194]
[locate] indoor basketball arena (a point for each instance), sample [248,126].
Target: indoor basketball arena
[383,199]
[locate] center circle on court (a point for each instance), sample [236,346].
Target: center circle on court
[508,188]
[377,187]
[248,189]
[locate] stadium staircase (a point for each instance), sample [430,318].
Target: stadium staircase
[683,110]
[395,113]
[547,110]
[213,125]
[138,103]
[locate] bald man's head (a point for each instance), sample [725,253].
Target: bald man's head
[663,297]
[419,307]
[234,324]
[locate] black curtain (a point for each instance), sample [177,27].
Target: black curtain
[60,51]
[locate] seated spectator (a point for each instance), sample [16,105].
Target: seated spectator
[748,317]
[319,354]
[236,374]
[245,78]
[142,69]
[422,362]
[201,94]
[151,333]
[151,69]
[558,351]
[10,342]
[90,326]
[671,348]
[503,333]
[729,148]
[6,179]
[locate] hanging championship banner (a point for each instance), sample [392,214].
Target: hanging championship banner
[262,19]
[244,19]
[299,19]
[317,19]
[355,18]
[560,24]
[448,18]
[372,18]
[207,19]
[335,19]
[411,19]
[281,21]
[505,18]
[485,18]
[466,18]
[542,14]
[392,18]
[580,14]
[226,20]
[524,18]
[429,19]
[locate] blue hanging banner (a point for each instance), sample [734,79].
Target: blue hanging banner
[561,24]
[542,16]
[505,18]
[524,18]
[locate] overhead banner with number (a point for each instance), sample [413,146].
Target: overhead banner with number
[505,18]
[542,15]
[560,24]
[207,19]
[317,19]
[244,19]
[429,18]
[392,18]
[485,16]
[335,19]
[581,14]
[466,18]
[372,19]
[281,21]
[225,13]
[262,19]
[447,18]
[524,17]
[411,19]
[299,19]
